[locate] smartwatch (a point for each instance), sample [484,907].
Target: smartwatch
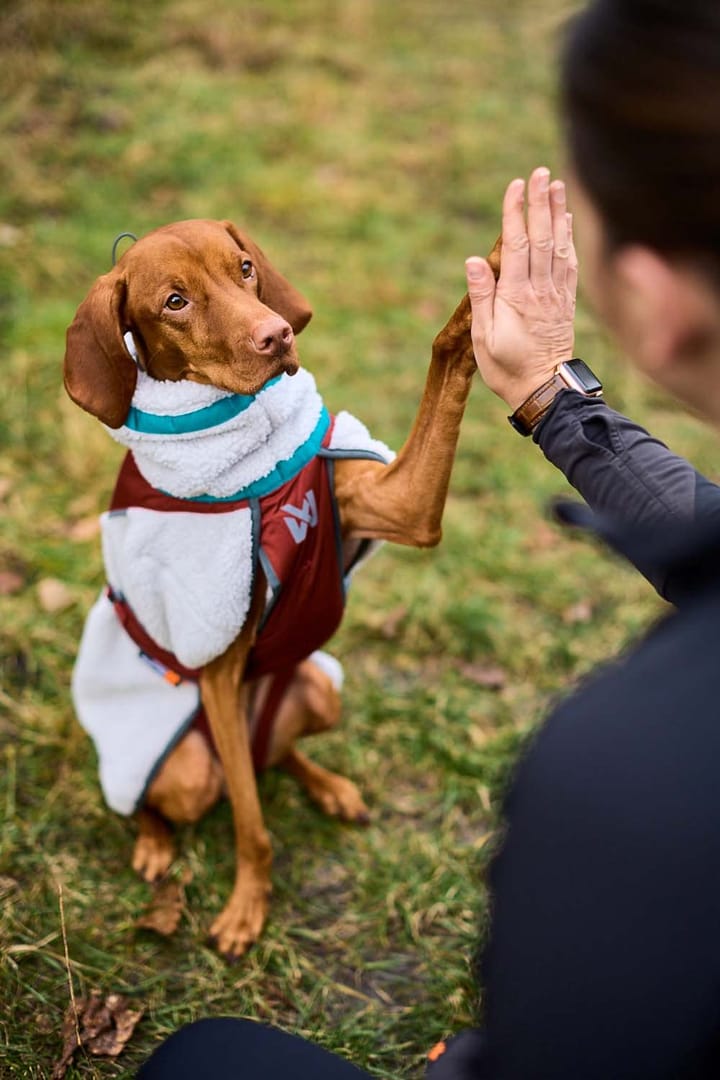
[570,375]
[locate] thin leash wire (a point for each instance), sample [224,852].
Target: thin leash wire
[122,236]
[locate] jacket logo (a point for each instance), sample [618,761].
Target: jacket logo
[302,518]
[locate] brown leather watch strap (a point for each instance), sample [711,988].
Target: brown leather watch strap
[528,415]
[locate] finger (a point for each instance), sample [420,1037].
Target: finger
[481,290]
[561,239]
[540,230]
[515,266]
[572,270]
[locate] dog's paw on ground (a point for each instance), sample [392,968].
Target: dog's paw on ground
[240,923]
[339,797]
[153,856]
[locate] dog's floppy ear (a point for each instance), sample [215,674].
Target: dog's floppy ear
[100,375]
[273,289]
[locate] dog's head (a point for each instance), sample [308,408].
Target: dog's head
[201,301]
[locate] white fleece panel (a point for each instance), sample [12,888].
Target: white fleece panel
[132,714]
[330,665]
[187,577]
[164,397]
[349,433]
[220,460]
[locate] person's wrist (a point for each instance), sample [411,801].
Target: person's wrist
[517,392]
[571,374]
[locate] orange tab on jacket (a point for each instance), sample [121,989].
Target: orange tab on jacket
[437,1051]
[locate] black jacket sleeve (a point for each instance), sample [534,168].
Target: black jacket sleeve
[623,473]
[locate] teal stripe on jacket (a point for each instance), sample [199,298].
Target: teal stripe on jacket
[200,420]
[283,471]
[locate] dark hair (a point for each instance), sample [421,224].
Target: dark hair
[640,96]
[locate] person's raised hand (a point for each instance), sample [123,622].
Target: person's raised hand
[522,326]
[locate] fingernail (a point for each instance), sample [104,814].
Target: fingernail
[474,268]
[544,178]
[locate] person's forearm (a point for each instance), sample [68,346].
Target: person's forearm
[621,471]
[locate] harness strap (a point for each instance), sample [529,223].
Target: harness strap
[263,728]
[175,672]
[137,633]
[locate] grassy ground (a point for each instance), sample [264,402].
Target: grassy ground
[367,144]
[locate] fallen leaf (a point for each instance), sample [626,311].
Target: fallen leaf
[9,234]
[101,1026]
[54,595]
[112,1039]
[393,621]
[71,1042]
[165,909]
[7,885]
[11,582]
[542,538]
[490,676]
[581,612]
[84,529]
[82,505]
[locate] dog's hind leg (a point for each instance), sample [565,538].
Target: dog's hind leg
[188,783]
[334,794]
[312,704]
[154,851]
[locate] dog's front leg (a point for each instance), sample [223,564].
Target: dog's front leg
[404,501]
[225,700]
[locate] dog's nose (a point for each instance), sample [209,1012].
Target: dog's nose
[273,336]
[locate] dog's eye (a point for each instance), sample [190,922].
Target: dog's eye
[247,268]
[175,302]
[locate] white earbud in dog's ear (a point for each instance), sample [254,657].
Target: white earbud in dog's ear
[132,347]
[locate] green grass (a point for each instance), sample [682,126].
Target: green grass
[367,144]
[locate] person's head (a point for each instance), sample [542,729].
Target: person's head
[640,98]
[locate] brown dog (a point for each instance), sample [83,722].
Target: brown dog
[205,305]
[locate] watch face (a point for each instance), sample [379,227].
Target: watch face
[589,382]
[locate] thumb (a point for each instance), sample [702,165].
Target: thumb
[481,290]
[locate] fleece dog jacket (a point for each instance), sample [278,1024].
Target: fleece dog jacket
[214,483]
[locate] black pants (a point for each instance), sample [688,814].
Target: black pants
[225,1048]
